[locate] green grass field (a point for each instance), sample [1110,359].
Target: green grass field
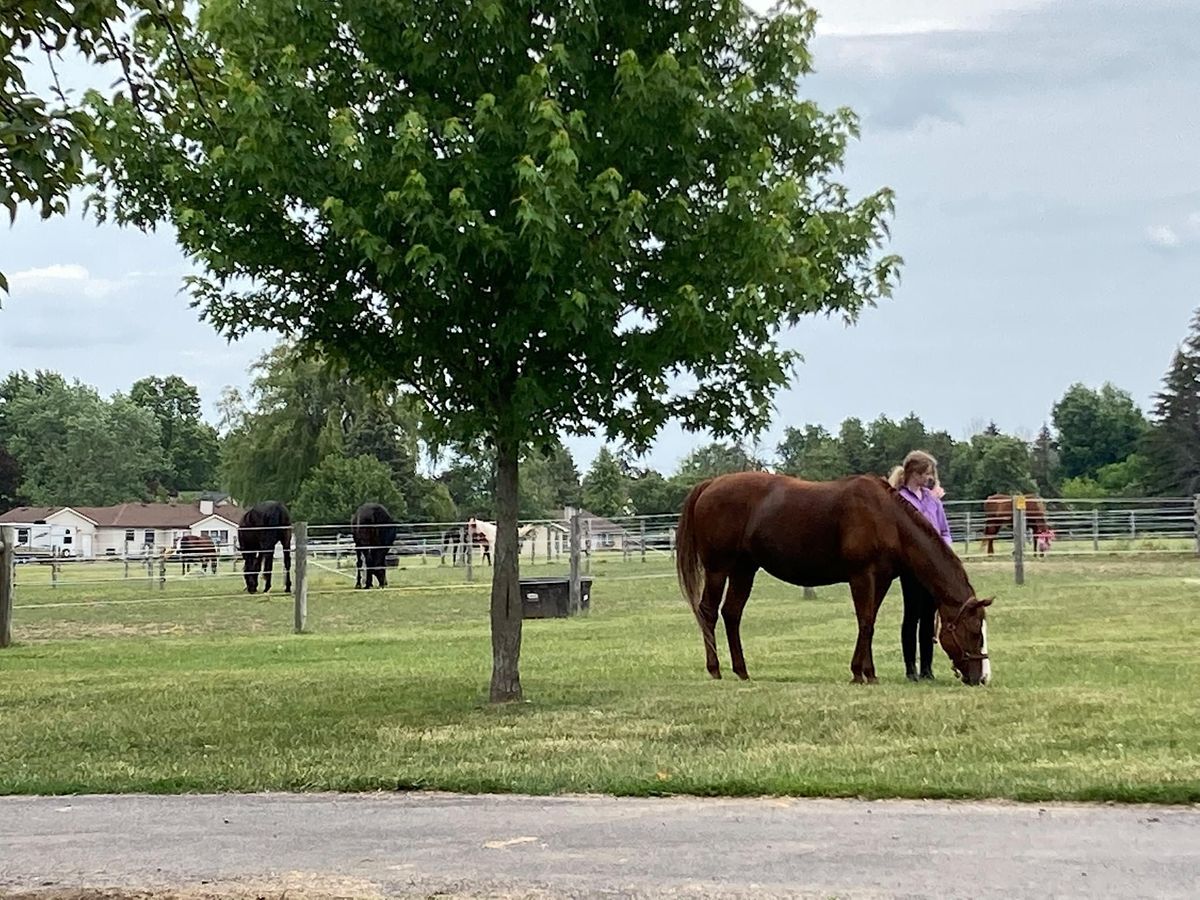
[118,685]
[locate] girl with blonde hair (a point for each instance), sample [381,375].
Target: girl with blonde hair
[916,480]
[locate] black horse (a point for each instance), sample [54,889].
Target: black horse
[263,526]
[374,532]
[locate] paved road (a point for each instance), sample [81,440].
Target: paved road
[363,845]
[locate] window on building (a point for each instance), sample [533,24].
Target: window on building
[22,535]
[130,537]
[149,537]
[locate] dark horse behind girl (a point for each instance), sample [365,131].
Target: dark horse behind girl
[857,530]
[374,532]
[262,527]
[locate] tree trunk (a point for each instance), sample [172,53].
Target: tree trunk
[506,593]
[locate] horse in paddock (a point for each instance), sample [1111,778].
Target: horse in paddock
[374,532]
[857,530]
[197,548]
[476,531]
[262,527]
[998,510]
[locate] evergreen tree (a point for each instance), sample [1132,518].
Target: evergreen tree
[1172,447]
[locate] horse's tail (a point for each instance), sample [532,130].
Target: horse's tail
[688,566]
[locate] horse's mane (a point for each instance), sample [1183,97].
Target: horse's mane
[914,515]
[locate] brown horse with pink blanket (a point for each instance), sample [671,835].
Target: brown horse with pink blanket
[857,530]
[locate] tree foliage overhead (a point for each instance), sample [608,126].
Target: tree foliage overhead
[533,213]
[44,136]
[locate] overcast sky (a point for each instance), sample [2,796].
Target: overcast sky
[1044,155]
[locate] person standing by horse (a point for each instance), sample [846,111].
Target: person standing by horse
[917,482]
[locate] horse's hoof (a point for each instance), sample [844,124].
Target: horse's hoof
[856,679]
[871,679]
[716,676]
[745,676]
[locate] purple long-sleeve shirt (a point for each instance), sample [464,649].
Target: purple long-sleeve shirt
[931,508]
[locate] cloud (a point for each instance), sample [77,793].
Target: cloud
[906,70]
[859,18]
[1163,236]
[63,280]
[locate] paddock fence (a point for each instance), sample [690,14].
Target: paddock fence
[448,561]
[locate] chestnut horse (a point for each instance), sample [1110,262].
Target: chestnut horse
[197,548]
[998,508]
[857,530]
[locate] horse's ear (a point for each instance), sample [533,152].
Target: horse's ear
[979,603]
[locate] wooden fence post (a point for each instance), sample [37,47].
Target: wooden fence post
[162,573]
[54,573]
[300,585]
[1196,520]
[809,593]
[8,554]
[591,548]
[1018,517]
[574,585]
[643,529]
[469,555]
[967,535]
[1096,529]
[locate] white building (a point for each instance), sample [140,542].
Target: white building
[128,529]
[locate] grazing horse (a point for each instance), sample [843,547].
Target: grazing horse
[857,530]
[263,526]
[197,548]
[998,509]
[476,531]
[374,532]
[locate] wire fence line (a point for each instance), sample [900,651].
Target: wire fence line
[442,558]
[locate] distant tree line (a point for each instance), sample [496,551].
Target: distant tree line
[311,436]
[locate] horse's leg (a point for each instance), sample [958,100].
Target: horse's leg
[740,583]
[381,571]
[358,570]
[250,563]
[863,587]
[268,563]
[710,602]
[287,564]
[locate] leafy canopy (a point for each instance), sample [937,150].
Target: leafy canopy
[536,215]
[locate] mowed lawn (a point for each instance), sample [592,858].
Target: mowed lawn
[196,687]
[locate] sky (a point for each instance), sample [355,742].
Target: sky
[1044,159]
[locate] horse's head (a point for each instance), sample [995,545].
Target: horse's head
[963,635]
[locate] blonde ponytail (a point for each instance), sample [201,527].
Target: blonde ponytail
[896,477]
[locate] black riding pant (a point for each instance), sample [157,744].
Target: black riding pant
[917,626]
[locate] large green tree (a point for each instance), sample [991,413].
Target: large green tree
[812,453]
[190,447]
[339,485]
[535,214]
[73,447]
[1096,428]
[717,458]
[304,408]
[605,487]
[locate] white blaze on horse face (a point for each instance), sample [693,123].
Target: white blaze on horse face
[987,663]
